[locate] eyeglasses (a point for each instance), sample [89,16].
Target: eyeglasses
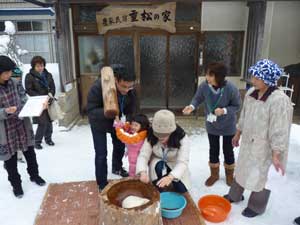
[123,85]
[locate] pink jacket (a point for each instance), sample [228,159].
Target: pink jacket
[133,142]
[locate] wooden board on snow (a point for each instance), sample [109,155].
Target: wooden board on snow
[77,203]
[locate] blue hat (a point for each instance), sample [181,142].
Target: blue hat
[267,71]
[17,72]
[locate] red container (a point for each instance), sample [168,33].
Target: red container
[214,208]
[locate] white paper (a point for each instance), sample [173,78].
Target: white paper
[34,106]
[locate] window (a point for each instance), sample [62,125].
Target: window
[23,26]
[91,53]
[87,14]
[188,12]
[224,46]
[39,26]
[35,44]
[37,38]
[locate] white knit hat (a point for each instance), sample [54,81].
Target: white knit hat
[164,122]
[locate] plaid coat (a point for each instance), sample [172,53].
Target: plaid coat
[15,133]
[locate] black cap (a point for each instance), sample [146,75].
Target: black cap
[119,69]
[6,64]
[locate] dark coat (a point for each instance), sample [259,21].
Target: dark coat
[35,87]
[33,84]
[95,107]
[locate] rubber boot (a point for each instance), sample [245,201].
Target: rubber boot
[257,203]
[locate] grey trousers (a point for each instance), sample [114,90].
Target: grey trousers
[257,201]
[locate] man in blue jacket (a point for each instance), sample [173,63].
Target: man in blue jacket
[100,125]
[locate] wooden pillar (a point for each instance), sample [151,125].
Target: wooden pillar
[64,51]
[255,33]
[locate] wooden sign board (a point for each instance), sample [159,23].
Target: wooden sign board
[154,16]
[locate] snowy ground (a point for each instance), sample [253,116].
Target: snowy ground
[72,160]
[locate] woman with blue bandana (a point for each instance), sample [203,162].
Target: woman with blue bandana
[264,124]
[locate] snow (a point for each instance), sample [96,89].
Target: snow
[9,28]
[72,159]
[8,44]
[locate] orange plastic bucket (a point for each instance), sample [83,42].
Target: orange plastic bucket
[214,208]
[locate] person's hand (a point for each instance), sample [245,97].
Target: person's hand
[165,181]
[276,162]
[45,105]
[219,112]
[236,139]
[11,110]
[144,177]
[50,101]
[187,110]
[118,123]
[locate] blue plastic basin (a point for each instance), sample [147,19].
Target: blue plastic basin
[172,204]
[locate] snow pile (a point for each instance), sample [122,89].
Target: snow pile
[8,44]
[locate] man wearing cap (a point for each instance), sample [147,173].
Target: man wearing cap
[164,157]
[264,124]
[101,125]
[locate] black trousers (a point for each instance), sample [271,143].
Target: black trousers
[100,146]
[11,166]
[178,185]
[214,149]
[44,129]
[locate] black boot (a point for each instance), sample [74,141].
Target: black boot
[38,146]
[297,221]
[257,203]
[247,212]
[32,167]
[235,193]
[13,176]
[18,190]
[38,180]
[121,172]
[230,200]
[50,142]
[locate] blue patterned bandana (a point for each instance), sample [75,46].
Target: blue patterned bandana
[267,71]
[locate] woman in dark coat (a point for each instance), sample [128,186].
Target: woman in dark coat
[40,82]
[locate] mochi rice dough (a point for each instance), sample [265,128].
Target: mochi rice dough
[132,201]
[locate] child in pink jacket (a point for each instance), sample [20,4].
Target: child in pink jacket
[133,135]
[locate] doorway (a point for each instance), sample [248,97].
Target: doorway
[165,65]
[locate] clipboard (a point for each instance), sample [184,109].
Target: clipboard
[34,106]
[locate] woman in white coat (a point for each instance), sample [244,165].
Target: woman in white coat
[264,124]
[164,157]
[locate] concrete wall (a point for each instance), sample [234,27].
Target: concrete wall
[225,16]
[282,32]
[69,104]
